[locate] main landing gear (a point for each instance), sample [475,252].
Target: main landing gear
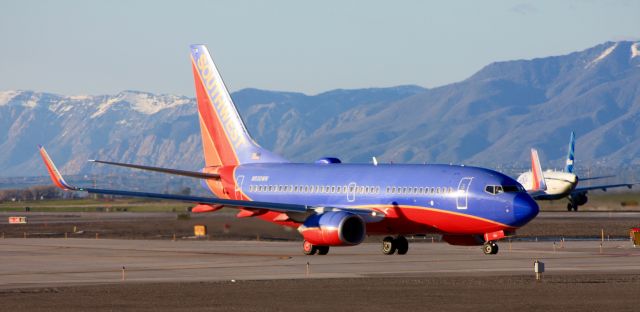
[392,245]
[572,206]
[310,249]
[490,248]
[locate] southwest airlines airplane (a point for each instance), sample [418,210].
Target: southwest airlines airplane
[331,203]
[561,184]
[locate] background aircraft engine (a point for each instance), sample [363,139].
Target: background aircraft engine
[579,199]
[334,228]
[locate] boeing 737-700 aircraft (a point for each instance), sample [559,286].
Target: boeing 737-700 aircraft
[561,184]
[331,203]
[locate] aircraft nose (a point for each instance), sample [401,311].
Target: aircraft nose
[524,209]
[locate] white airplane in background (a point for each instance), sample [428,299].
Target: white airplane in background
[561,184]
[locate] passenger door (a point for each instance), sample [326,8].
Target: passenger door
[462,195]
[238,190]
[351,192]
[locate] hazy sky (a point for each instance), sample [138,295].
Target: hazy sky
[103,47]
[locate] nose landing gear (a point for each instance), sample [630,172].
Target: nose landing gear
[490,248]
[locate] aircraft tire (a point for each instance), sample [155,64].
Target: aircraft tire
[402,245]
[490,248]
[323,250]
[388,245]
[309,249]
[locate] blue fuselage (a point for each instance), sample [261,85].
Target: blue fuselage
[452,192]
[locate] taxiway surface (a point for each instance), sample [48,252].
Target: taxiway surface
[40,262]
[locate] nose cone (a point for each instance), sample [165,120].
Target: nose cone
[524,209]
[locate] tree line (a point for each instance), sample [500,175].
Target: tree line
[33,193]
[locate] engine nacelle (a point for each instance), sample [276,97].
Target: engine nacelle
[333,228]
[328,160]
[579,199]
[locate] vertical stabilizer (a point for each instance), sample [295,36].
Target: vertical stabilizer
[570,158]
[225,139]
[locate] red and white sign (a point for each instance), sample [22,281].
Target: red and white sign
[18,220]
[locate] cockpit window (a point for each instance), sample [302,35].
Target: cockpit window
[497,189]
[512,188]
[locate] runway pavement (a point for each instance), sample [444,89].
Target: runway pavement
[62,262]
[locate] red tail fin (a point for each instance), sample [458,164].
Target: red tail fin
[225,139]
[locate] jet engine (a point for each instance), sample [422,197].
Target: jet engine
[579,199]
[333,228]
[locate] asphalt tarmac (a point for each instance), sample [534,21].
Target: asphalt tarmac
[51,262]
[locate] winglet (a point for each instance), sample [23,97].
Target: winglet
[538,183]
[55,175]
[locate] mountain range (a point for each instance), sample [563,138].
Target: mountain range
[490,119]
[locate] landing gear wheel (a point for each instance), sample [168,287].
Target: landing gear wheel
[402,245]
[323,250]
[309,249]
[388,245]
[571,206]
[490,248]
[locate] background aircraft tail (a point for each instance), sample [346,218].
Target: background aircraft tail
[572,143]
[225,139]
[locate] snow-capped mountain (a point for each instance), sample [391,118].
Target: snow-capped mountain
[491,118]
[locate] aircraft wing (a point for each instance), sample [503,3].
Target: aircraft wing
[368,215]
[192,174]
[596,178]
[602,187]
